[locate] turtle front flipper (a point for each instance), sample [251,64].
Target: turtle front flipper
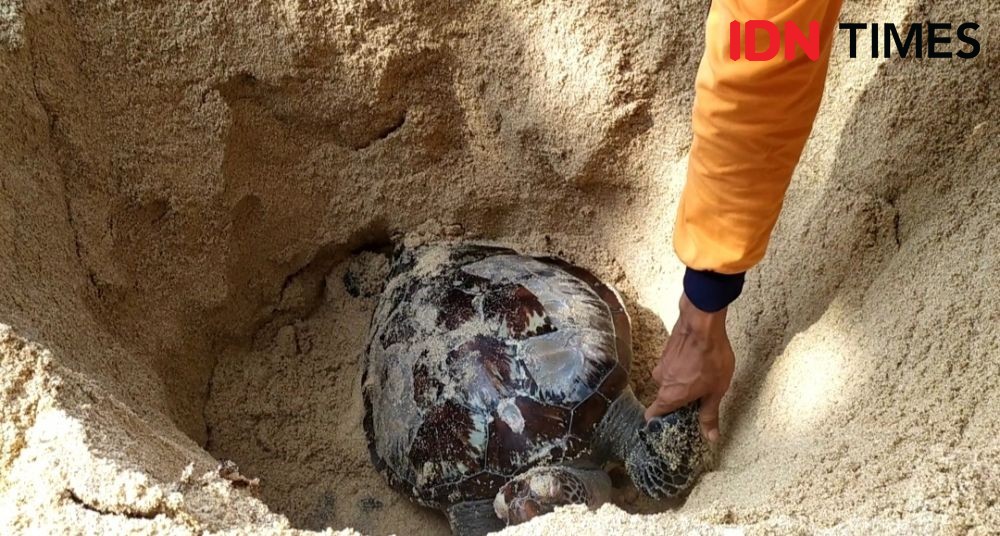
[542,489]
[664,456]
[668,454]
[473,518]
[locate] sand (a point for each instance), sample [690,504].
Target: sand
[185,188]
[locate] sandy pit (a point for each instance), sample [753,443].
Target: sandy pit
[185,187]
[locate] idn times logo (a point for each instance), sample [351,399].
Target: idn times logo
[881,40]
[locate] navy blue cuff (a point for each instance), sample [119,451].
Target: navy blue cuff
[711,291]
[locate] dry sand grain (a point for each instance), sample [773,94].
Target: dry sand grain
[184,188]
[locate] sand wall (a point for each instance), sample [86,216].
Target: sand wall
[185,186]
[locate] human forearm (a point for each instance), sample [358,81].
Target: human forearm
[750,121]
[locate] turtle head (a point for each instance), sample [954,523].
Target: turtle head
[667,453]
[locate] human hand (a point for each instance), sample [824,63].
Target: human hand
[697,364]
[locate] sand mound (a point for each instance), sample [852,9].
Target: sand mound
[185,188]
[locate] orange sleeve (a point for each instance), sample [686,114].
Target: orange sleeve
[750,121]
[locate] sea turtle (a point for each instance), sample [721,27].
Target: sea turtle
[496,387]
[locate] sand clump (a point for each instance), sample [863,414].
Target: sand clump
[196,201]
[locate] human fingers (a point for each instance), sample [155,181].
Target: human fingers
[708,416]
[669,398]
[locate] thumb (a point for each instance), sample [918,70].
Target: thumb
[657,373]
[708,416]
